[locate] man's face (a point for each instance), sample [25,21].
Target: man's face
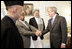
[50,12]
[19,12]
[36,13]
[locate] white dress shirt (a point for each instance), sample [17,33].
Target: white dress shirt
[39,23]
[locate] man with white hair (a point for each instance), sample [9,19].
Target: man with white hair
[58,29]
[10,36]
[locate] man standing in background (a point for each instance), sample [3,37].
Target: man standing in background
[38,23]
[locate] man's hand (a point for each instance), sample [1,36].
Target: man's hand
[62,45]
[38,33]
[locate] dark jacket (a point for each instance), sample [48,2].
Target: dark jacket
[58,33]
[10,37]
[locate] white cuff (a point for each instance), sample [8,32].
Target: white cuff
[63,44]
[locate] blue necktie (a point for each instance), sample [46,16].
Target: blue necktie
[52,22]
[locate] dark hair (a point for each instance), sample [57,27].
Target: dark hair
[57,13]
[11,3]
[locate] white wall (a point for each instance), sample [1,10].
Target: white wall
[3,9]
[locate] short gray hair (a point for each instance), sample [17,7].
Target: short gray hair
[53,9]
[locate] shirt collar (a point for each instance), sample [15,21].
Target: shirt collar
[54,16]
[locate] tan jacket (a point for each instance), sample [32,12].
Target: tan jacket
[26,32]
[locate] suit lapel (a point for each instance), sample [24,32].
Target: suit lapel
[55,21]
[35,22]
[43,25]
[50,24]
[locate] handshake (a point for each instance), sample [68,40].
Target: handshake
[38,33]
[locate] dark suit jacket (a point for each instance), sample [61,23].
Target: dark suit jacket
[34,23]
[58,33]
[10,37]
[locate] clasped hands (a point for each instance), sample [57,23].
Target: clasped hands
[38,33]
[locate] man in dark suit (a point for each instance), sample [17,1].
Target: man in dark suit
[58,29]
[10,37]
[34,22]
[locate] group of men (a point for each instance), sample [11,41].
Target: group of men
[16,32]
